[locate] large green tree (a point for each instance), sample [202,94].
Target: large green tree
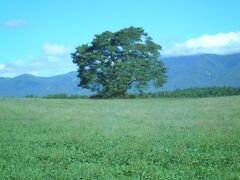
[116,61]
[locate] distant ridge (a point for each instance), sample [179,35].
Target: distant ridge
[203,70]
[27,84]
[183,72]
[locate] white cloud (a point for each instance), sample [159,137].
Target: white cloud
[2,66]
[14,23]
[55,50]
[222,43]
[15,68]
[55,60]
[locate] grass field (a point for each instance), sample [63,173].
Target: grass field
[120,139]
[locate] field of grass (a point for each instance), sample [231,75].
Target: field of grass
[120,139]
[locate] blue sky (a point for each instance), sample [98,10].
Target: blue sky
[37,36]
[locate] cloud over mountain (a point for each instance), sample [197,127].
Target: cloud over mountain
[221,43]
[54,60]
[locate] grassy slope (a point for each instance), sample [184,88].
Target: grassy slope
[155,138]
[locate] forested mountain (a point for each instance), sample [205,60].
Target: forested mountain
[203,70]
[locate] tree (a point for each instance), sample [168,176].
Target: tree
[115,62]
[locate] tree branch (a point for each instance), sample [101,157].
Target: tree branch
[131,82]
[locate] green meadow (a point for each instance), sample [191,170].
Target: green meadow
[163,138]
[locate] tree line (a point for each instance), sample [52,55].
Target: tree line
[178,93]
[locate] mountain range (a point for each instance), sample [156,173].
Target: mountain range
[202,70]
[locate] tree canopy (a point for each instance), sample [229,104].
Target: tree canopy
[117,61]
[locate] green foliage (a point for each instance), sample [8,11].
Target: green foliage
[191,93]
[201,92]
[113,62]
[120,139]
[64,96]
[31,96]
